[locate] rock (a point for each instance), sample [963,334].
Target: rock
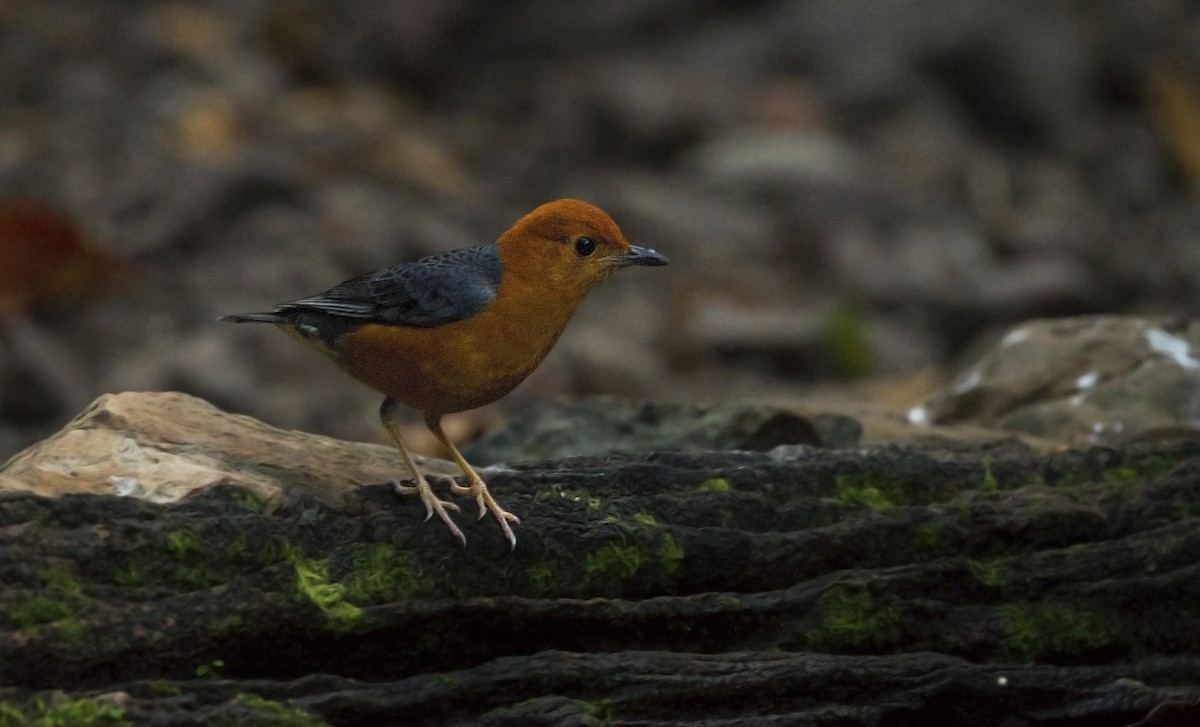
[1089,380]
[166,447]
[601,426]
[898,583]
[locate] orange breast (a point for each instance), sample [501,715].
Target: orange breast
[461,365]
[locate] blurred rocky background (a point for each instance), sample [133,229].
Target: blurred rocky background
[855,196]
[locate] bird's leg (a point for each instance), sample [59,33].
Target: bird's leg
[422,488]
[478,488]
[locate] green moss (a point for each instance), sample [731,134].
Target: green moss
[191,575]
[1121,475]
[211,670]
[612,563]
[450,681]
[717,484]
[181,542]
[990,573]
[599,713]
[1134,468]
[53,604]
[74,713]
[188,570]
[130,575]
[875,495]
[246,499]
[61,579]
[237,547]
[541,578]
[644,518]
[37,610]
[852,617]
[383,573]
[1142,468]
[670,555]
[229,624]
[163,688]
[71,630]
[929,538]
[312,582]
[1035,631]
[581,712]
[989,480]
[268,713]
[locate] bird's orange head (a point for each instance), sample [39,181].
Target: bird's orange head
[568,247]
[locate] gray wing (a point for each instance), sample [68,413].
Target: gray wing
[430,292]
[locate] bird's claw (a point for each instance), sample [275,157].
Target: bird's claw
[432,504]
[487,503]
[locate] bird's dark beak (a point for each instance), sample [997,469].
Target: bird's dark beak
[638,256]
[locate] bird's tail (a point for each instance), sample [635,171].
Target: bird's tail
[254,318]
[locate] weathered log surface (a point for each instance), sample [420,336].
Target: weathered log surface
[797,586]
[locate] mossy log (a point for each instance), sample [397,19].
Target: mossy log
[807,585]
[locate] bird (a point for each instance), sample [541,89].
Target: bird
[460,329]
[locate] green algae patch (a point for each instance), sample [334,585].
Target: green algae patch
[74,713]
[180,543]
[211,670]
[1111,468]
[851,618]
[1036,631]
[611,569]
[57,604]
[990,484]
[61,579]
[247,499]
[380,573]
[1121,475]
[601,712]
[71,630]
[566,710]
[612,562]
[542,579]
[929,539]
[312,582]
[229,624]
[989,573]
[130,574]
[237,547]
[717,484]
[37,610]
[176,560]
[875,494]
[644,518]
[670,555]
[269,712]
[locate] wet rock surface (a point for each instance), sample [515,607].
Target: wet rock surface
[1087,380]
[800,584]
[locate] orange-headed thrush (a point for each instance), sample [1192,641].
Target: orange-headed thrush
[461,329]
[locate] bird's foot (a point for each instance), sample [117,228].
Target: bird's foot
[487,504]
[432,503]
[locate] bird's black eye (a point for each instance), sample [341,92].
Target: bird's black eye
[585,246]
